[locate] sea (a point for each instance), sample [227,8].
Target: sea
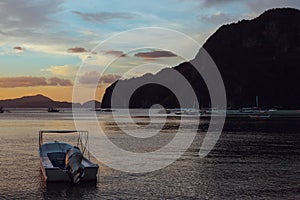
[252,159]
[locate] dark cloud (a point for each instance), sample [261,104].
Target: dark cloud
[102,17]
[31,21]
[24,14]
[93,77]
[29,81]
[77,50]
[18,48]
[155,54]
[115,53]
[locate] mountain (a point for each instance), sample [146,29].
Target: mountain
[37,101]
[92,104]
[258,57]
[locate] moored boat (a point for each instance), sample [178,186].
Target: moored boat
[63,162]
[53,110]
[260,116]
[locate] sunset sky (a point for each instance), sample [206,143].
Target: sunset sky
[43,43]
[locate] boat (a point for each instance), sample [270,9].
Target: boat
[1,110]
[187,111]
[63,162]
[53,110]
[260,116]
[103,110]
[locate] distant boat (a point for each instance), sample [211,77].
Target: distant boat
[189,111]
[53,110]
[179,112]
[1,110]
[260,116]
[63,162]
[103,110]
[253,109]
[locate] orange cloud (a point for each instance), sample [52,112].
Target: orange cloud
[29,81]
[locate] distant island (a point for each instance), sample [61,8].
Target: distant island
[40,101]
[258,57]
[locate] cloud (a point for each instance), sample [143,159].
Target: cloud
[23,14]
[259,6]
[18,48]
[93,77]
[256,6]
[59,81]
[102,17]
[115,53]
[218,18]
[155,54]
[211,3]
[109,78]
[30,81]
[64,70]
[77,50]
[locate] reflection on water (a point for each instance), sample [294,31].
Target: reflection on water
[69,191]
[251,160]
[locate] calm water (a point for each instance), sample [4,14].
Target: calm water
[252,160]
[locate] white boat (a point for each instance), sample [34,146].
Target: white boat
[63,162]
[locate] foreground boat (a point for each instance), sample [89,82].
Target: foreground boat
[66,163]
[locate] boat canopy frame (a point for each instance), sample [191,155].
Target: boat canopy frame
[82,139]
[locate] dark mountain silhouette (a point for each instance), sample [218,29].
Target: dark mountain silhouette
[258,57]
[37,101]
[92,104]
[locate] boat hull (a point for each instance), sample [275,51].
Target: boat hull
[55,174]
[58,175]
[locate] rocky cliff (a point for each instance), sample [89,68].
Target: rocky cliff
[258,57]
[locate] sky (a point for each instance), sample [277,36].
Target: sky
[43,43]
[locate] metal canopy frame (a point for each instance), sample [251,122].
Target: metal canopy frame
[82,139]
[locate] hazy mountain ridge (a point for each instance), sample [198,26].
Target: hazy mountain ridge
[258,57]
[40,101]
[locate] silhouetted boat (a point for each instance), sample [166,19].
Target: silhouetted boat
[53,110]
[66,163]
[103,110]
[1,110]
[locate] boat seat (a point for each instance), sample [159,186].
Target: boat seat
[57,159]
